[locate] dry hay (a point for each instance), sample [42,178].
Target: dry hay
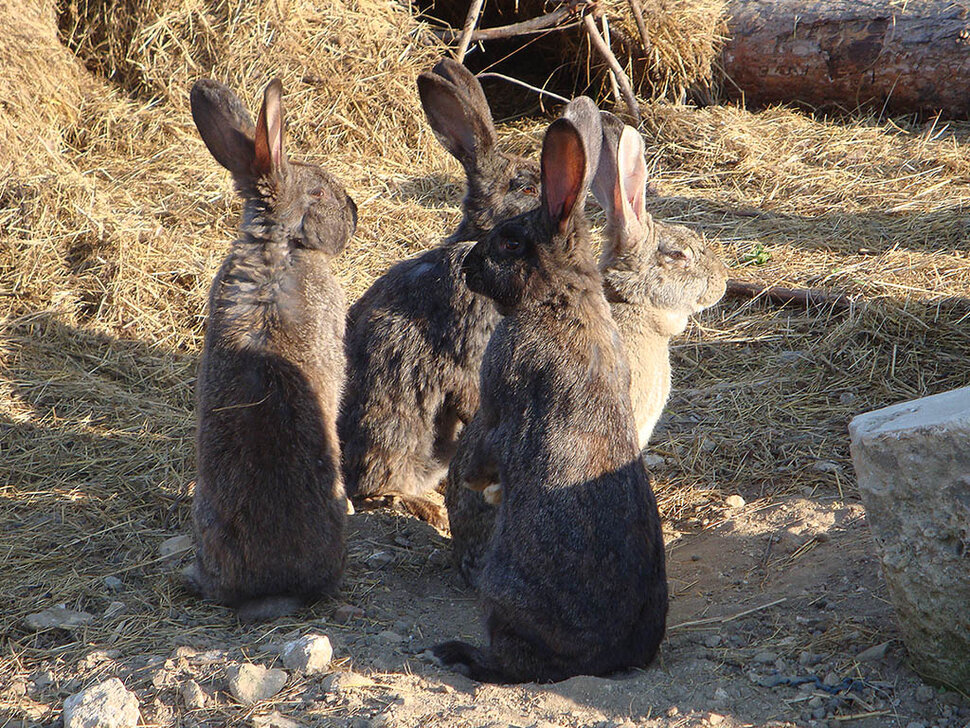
[107,252]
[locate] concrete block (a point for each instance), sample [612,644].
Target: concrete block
[913,464]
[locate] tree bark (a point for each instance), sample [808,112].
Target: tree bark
[887,55]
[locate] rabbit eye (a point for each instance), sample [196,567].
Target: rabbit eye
[530,190]
[318,193]
[681,258]
[510,245]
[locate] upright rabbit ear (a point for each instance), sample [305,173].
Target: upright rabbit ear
[268,157]
[465,81]
[460,120]
[585,117]
[563,171]
[604,181]
[224,125]
[631,181]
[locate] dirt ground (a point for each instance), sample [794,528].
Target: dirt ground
[774,606]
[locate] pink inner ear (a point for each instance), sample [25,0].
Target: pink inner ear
[268,156]
[632,174]
[563,170]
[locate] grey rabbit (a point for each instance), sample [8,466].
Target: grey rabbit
[269,506]
[415,339]
[573,578]
[655,276]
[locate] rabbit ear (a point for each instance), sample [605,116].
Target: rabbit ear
[268,157]
[224,125]
[465,81]
[464,130]
[631,180]
[604,181]
[585,117]
[563,171]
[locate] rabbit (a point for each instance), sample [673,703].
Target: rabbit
[573,579]
[415,339]
[655,275]
[269,506]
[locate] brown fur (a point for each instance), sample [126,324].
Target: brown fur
[269,504]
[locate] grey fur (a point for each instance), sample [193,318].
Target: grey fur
[573,578]
[415,339]
[269,506]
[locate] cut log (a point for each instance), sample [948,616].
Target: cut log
[842,54]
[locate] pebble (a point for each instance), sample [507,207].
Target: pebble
[831,679]
[250,683]
[816,702]
[339,682]
[915,724]
[174,546]
[712,640]
[673,711]
[721,694]
[734,501]
[275,720]
[379,559]
[113,584]
[925,693]
[105,705]
[714,719]
[389,636]
[826,466]
[874,653]
[308,655]
[59,617]
[347,612]
[192,695]
[765,658]
[808,658]
[652,461]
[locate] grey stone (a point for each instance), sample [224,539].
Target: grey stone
[831,679]
[712,640]
[59,617]
[113,584]
[309,655]
[874,653]
[652,461]
[912,461]
[379,559]
[389,636]
[925,693]
[346,612]
[192,695]
[175,546]
[765,658]
[275,720]
[105,705]
[250,683]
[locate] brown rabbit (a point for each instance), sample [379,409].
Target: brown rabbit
[656,275]
[573,578]
[415,339]
[269,505]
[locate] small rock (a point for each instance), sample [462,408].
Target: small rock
[826,466]
[59,617]
[915,724]
[874,653]
[673,711]
[308,655]
[816,702]
[105,705]
[806,659]
[652,461]
[707,444]
[275,720]
[114,609]
[340,682]
[113,584]
[819,713]
[846,398]
[925,693]
[765,658]
[192,695]
[96,657]
[379,559]
[346,612]
[389,636]
[714,719]
[712,640]
[721,694]
[250,683]
[831,679]
[734,502]
[40,681]
[174,546]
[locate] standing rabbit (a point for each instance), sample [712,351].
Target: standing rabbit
[573,578]
[415,339]
[655,276]
[269,506]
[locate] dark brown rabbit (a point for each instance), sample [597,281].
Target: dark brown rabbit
[656,275]
[269,505]
[573,578]
[415,339]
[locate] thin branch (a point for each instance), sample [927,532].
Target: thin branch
[637,11]
[729,618]
[597,40]
[614,87]
[777,294]
[471,20]
[541,91]
[550,21]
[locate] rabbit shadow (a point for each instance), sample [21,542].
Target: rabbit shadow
[435,191]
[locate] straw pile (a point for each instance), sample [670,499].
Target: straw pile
[109,238]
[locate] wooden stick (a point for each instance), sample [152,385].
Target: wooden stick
[544,23]
[637,11]
[471,20]
[597,40]
[777,294]
[540,91]
[721,620]
[614,87]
